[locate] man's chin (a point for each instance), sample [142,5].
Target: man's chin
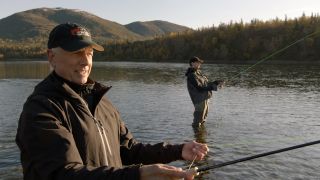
[81,81]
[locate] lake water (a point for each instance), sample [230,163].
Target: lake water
[266,108]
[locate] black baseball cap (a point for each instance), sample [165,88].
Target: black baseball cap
[71,37]
[195,59]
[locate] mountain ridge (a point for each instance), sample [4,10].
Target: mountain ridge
[37,23]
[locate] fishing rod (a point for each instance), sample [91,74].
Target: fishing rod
[206,168]
[275,53]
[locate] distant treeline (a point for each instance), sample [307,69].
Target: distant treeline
[27,49]
[235,42]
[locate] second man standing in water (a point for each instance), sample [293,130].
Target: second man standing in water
[200,90]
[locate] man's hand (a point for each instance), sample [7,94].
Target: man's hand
[219,83]
[216,82]
[165,172]
[193,149]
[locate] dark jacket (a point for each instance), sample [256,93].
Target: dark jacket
[60,138]
[199,87]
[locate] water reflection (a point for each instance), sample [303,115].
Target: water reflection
[272,76]
[302,77]
[148,73]
[145,75]
[23,70]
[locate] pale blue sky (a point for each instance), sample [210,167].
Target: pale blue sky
[191,13]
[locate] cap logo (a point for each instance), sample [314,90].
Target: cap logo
[79,32]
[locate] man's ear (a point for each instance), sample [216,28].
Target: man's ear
[50,55]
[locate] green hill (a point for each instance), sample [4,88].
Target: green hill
[24,34]
[37,23]
[152,28]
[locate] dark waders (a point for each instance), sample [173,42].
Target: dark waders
[200,113]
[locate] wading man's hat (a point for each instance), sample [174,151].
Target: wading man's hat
[71,37]
[195,59]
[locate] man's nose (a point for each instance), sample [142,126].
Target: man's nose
[84,59]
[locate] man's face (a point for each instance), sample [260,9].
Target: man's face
[73,66]
[196,65]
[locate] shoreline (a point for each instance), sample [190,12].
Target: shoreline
[271,62]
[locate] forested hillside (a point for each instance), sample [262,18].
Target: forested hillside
[227,43]
[233,42]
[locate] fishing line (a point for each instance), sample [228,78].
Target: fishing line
[274,53]
[205,168]
[260,142]
[192,162]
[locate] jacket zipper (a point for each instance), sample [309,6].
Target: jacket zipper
[102,141]
[103,137]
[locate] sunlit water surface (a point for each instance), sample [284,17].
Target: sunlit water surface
[266,108]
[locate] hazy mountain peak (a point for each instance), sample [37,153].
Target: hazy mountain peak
[157,27]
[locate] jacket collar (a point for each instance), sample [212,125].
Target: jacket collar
[52,86]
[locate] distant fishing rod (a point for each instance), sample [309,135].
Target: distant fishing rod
[275,53]
[206,168]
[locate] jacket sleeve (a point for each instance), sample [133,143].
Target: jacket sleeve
[48,149]
[198,85]
[133,152]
